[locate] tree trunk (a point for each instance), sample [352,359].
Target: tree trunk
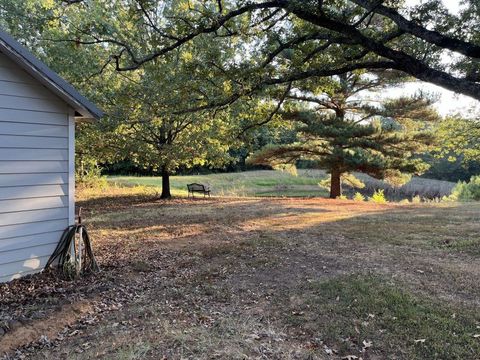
[335,184]
[165,184]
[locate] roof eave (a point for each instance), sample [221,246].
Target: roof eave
[48,77]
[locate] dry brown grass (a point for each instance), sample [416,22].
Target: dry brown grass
[273,279]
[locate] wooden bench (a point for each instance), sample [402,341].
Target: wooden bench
[198,188]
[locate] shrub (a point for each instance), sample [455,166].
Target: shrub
[358,197]
[470,191]
[379,197]
[93,182]
[89,175]
[342,197]
[352,181]
[416,199]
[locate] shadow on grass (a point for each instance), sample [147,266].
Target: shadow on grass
[449,228]
[368,315]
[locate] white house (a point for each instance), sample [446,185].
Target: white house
[38,110]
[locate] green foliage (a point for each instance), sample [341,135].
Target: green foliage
[152,118]
[467,191]
[416,199]
[396,178]
[358,197]
[352,181]
[378,197]
[342,132]
[93,182]
[459,137]
[450,166]
[324,183]
[347,179]
[289,168]
[88,174]
[130,33]
[154,121]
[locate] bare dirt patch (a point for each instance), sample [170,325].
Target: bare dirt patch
[49,327]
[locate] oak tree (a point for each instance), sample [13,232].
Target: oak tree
[286,40]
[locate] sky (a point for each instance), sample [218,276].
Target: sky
[449,102]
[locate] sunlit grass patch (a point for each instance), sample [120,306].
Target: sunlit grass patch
[117,190]
[250,183]
[367,314]
[284,184]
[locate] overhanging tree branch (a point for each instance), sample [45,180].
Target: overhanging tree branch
[402,61]
[431,36]
[333,30]
[296,76]
[217,24]
[272,114]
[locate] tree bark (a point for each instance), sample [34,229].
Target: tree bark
[165,184]
[335,184]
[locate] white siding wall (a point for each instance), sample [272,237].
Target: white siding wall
[36,186]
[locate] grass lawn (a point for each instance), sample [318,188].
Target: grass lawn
[269,183]
[260,278]
[250,183]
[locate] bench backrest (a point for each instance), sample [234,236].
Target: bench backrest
[196,187]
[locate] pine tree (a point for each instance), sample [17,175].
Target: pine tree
[343,131]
